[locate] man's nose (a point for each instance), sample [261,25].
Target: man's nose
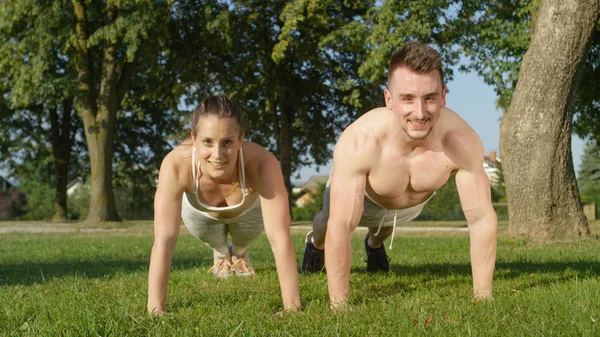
[420,109]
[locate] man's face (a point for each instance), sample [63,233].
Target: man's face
[416,99]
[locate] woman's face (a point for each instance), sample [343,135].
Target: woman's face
[217,142]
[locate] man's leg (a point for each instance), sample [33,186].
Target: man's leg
[314,255]
[319,230]
[377,259]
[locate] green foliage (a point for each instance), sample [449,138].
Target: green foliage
[298,86]
[588,178]
[445,205]
[79,202]
[495,36]
[40,70]
[309,210]
[499,196]
[135,198]
[394,22]
[39,192]
[587,101]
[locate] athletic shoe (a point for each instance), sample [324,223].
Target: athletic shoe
[377,259]
[242,265]
[222,267]
[314,259]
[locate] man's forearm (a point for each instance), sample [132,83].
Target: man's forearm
[338,260]
[483,257]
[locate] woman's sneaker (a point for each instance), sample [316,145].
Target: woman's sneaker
[314,259]
[242,266]
[222,267]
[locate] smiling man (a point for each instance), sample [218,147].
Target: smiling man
[389,163]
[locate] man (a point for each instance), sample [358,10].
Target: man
[387,165]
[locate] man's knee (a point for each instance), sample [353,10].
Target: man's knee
[384,233]
[319,228]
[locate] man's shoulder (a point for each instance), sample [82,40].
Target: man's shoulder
[459,140]
[372,125]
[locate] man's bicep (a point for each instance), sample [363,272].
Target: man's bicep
[346,193]
[474,192]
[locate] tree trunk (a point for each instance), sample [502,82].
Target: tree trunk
[536,130]
[102,201]
[61,149]
[98,108]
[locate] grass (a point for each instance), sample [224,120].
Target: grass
[87,283]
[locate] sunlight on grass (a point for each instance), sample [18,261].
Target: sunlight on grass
[94,283]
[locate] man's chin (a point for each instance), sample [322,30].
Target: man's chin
[418,134]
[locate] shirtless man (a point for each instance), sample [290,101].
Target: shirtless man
[387,165]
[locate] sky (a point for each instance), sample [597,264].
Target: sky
[475,102]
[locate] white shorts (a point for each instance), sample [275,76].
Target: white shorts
[375,214]
[243,229]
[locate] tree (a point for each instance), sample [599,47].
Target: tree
[587,103]
[445,205]
[309,210]
[109,42]
[536,129]
[109,62]
[37,115]
[297,84]
[589,173]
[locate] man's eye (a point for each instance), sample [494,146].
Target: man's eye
[207,142]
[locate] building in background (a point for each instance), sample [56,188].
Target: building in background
[12,201]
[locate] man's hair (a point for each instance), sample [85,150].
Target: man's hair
[418,58]
[218,106]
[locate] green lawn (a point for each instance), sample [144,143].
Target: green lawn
[94,284]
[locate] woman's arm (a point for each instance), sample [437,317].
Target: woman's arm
[276,218]
[167,219]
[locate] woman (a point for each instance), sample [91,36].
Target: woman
[221,186]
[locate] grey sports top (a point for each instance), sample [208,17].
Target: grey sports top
[247,200]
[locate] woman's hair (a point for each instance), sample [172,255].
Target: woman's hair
[219,106]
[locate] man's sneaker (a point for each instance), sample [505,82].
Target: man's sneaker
[242,266]
[314,259]
[222,267]
[377,259]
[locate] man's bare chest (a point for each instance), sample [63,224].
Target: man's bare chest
[405,181]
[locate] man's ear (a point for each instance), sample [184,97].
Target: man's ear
[444,92]
[388,98]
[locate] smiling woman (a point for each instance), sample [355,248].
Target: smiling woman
[222,187]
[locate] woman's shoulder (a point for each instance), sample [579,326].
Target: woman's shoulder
[254,153]
[257,159]
[177,160]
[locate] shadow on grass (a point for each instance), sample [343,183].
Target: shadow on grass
[32,273]
[543,274]
[503,269]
